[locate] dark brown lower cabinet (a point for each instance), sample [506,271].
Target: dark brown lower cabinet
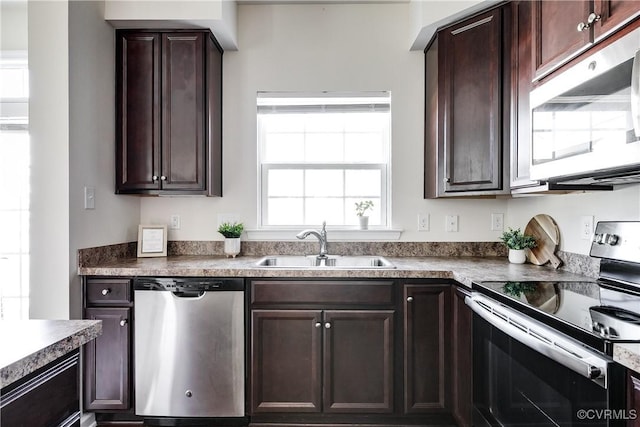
[426,352]
[633,404]
[353,350]
[107,359]
[47,397]
[462,360]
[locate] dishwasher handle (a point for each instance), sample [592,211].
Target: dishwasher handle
[188,294]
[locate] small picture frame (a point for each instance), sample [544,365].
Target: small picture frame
[152,240]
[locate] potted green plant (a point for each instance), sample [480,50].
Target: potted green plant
[231,232]
[361,210]
[517,242]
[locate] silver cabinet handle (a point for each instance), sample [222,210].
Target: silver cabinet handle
[327,325]
[123,322]
[154,178]
[163,178]
[318,324]
[106,291]
[409,299]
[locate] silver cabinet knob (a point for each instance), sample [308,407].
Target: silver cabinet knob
[318,324]
[163,178]
[154,177]
[593,17]
[327,325]
[446,180]
[188,393]
[106,292]
[409,299]
[583,27]
[123,322]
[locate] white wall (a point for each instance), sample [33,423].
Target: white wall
[623,204]
[92,140]
[72,90]
[314,48]
[49,134]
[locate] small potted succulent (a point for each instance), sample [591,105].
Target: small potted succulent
[361,210]
[517,242]
[231,232]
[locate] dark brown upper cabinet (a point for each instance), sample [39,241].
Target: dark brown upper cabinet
[467,85]
[168,113]
[562,29]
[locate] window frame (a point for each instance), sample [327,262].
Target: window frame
[264,167]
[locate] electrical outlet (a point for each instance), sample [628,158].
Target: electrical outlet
[497,221]
[175,222]
[423,222]
[89,198]
[451,224]
[586,227]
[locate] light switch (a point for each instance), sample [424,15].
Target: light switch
[89,198]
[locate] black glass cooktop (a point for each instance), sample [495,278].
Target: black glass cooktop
[576,308]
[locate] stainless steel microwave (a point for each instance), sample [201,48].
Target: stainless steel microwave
[585,122]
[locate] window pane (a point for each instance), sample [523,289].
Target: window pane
[324,209]
[364,147]
[285,211]
[324,147]
[285,183]
[10,232]
[326,122]
[324,182]
[362,183]
[284,147]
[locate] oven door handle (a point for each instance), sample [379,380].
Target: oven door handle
[541,339]
[635,94]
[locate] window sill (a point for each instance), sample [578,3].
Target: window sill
[345,235]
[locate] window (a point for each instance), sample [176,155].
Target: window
[321,154]
[14,187]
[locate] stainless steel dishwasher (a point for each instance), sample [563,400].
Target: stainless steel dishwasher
[189,347]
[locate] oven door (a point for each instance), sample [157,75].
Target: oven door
[519,382]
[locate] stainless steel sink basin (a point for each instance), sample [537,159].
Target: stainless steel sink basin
[333,261]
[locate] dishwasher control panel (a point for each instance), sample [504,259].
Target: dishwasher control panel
[188,284]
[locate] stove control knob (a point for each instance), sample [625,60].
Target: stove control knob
[598,238]
[594,372]
[611,239]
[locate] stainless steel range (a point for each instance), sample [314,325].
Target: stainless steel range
[543,350]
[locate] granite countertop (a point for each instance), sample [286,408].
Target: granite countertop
[462,269]
[627,355]
[28,345]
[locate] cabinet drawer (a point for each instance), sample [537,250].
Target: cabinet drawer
[373,292]
[108,292]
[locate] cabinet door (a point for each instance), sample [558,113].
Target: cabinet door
[107,360]
[520,87]
[555,34]
[472,105]
[633,393]
[183,111]
[285,361]
[425,349]
[214,117]
[137,111]
[613,14]
[462,361]
[358,361]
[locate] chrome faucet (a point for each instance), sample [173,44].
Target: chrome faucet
[322,237]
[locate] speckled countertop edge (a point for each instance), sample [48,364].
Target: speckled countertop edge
[627,355]
[31,344]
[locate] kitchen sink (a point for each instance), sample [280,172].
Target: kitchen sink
[332,261]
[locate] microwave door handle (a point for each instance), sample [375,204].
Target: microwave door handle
[635,94]
[592,367]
